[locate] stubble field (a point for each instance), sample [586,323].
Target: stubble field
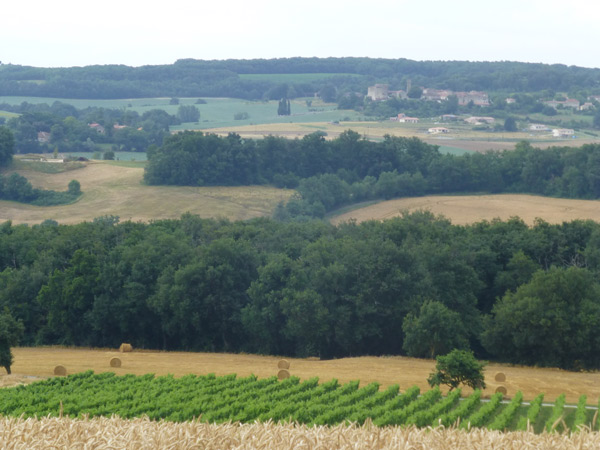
[462,210]
[110,189]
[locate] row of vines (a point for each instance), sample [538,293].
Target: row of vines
[229,398]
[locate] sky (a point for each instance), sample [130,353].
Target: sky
[66,33]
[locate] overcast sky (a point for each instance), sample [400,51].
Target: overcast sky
[64,33]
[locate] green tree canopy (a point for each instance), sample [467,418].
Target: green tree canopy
[552,321]
[510,124]
[7,146]
[11,332]
[435,331]
[188,113]
[456,368]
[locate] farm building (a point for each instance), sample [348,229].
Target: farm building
[563,132]
[438,130]
[474,120]
[407,119]
[538,127]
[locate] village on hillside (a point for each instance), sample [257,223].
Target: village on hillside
[381,92]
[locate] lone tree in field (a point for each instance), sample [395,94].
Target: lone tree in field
[458,367]
[284,108]
[10,335]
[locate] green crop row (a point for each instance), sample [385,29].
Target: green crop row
[248,399]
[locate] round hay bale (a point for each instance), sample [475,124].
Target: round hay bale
[501,389]
[125,348]
[283,364]
[115,362]
[500,377]
[283,374]
[60,371]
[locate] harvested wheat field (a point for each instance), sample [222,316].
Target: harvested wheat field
[462,210]
[407,372]
[116,190]
[115,433]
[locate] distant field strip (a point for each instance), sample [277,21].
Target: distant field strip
[229,398]
[468,209]
[105,433]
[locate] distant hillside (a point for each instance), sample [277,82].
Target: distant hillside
[229,78]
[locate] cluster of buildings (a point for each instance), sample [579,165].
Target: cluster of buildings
[573,103]
[556,132]
[381,92]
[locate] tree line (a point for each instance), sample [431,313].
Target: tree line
[414,285]
[330,173]
[190,78]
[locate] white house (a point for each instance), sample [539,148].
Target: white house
[563,132]
[407,119]
[438,130]
[479,120]
[538,127]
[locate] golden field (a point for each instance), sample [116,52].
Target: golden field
[31,363]
[463,210]
[116,190]
[115,433]
[460,136]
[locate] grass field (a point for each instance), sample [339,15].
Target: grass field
[31,363]
[115,188]
[468,209]
[7,115]
[215,113]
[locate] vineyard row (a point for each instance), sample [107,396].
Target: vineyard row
[228,398]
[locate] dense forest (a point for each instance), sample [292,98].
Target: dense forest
[331,173]
[190,78]
[414,285]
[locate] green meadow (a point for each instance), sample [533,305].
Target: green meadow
[216,112]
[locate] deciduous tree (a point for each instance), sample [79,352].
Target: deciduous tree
[456,368]
[11,332]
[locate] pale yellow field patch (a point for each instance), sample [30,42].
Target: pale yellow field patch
[460,135]
[406,372]
[462,210]
[116,190]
